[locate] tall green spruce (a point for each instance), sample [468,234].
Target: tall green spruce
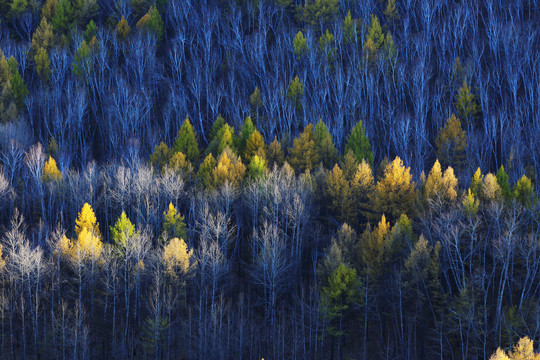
[359,143]
[186,142]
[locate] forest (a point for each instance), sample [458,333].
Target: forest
[269,179]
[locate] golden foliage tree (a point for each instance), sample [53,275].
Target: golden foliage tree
[43,64]
[523,350]
[178,259]
[160,157]
[491,191]
[476,182]
[122,29]
[470,203]
[395,192]
[50,172]
[173,222]
[339,195]
[88,245]
[178,162]
[362,186]
[303,155]
[229,168]
[466,105]
[275,153]
[255,146]
[87,219]
[442,187]
[43,37]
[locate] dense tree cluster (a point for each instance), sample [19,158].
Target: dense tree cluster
[276,179]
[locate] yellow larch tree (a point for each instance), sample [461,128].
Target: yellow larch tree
[50,171]
[229,168]
[177,258]
[88,246]
[523,350]
[441,186]
[395,193]
[87,219]
[491,191]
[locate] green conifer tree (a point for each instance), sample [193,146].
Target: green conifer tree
[359,144]
[186,142]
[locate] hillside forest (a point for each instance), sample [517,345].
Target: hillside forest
[277,179]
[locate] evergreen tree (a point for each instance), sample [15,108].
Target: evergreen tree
[441,187]
[49,9]
[452,144]
[257,167]
[391,12]
[524,192]
[255,99]
[88,246]
[491,190]
[339,195]
[255,146]
[400,240]
[466,106]
[63,18]
[349,29]
[470,204]
[300,45]
[122,29]
[328,153]
[160,157]
[359,144]
[177,258]
[295,93]
[303,155]
[173,223]
[87,220]
[229,168]
[43,37]
[50,172]
[362,186]
[178,162]
[224,138]
[43,64]
[205,171]
[326,45]
[90,32]
[339,299]
[84,11]
[18,88]
[186,142]
[523,350]
[504,183]
[476,183]
[375,37]
[122,230]
[395,192]
[247,129]
[349,164]
[82,64]
[152,22]
[216,127]
[316,12]
[275,153]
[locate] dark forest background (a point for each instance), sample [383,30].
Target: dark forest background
[278,179]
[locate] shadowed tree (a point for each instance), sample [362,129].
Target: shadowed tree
[452,144]
[303,155]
